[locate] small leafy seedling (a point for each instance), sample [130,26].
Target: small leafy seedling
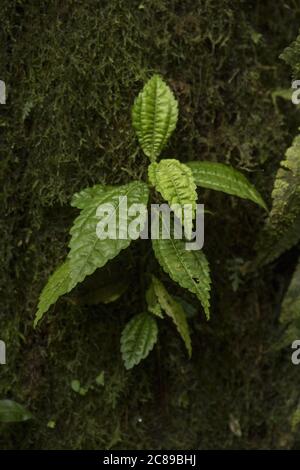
[154,118]
[13,412]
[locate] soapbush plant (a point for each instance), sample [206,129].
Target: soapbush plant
[154,118]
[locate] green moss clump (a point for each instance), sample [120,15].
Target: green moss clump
[291,55]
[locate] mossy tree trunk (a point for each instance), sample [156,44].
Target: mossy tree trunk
[72,70]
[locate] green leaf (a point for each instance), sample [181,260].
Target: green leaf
[282,228]
[290,309]
[152,302]
[81,199]
[100,379]
[189,269]
[138,339]
[290,312]
[51,424]
[59,283]
[174,310]
[154,116]
[224,178]
[12,412]
[175,182]
[77,388]
[87,251]
[75,385]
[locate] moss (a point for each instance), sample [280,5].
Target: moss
[291,55]
[72,70]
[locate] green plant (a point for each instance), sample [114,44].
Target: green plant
[281,232]
[282,228]
[290,311]
[154,118]
[13,412]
